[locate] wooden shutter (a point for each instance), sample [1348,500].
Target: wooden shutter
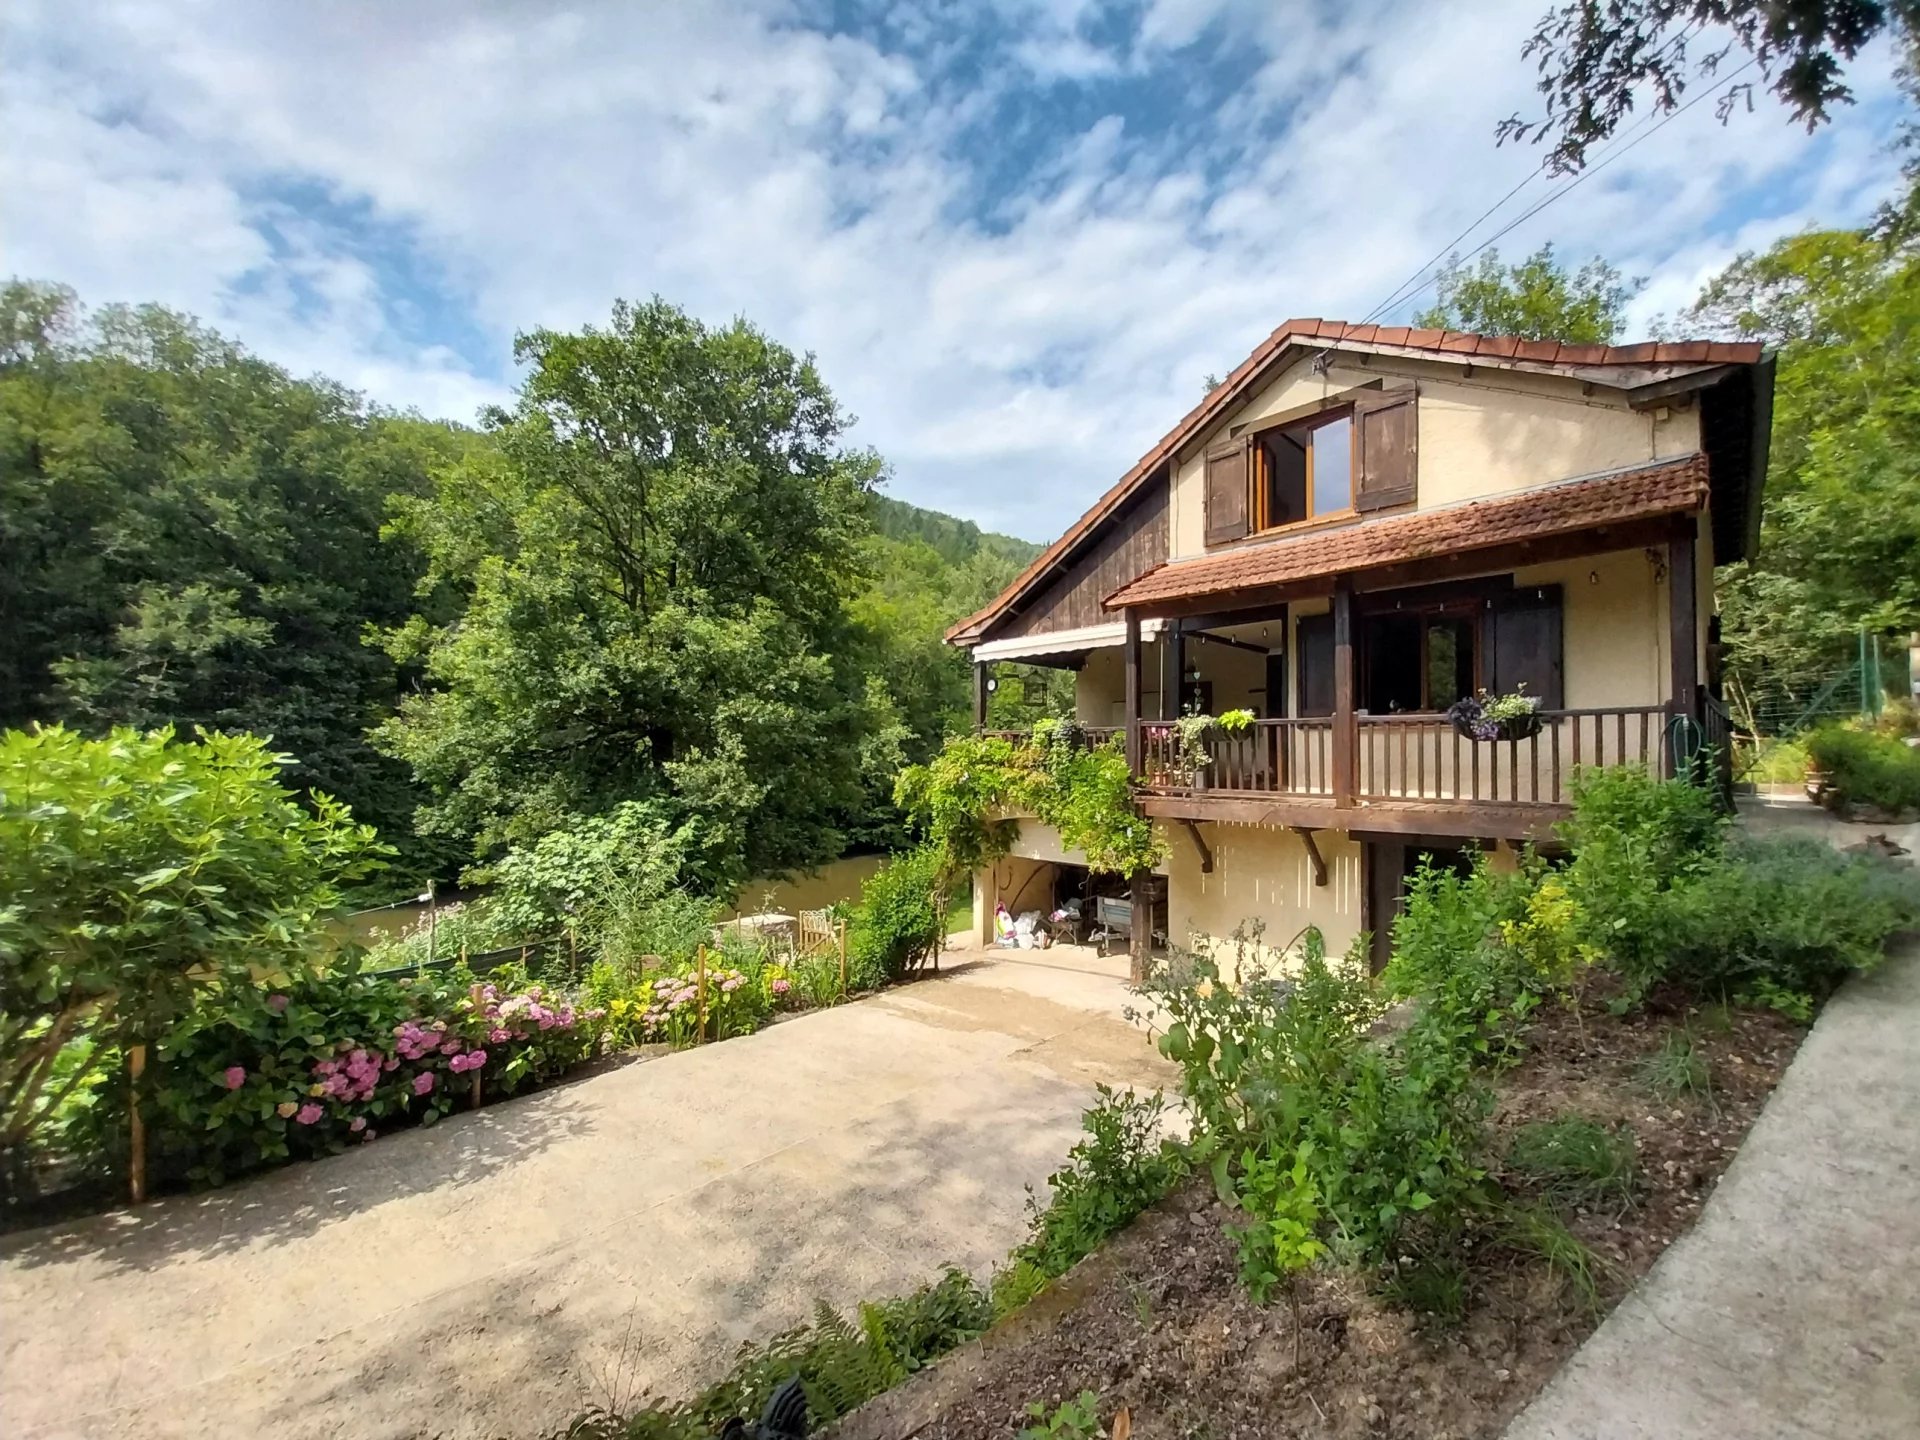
[1524,644]
[1314,640]
[1227,491]
[1386,440]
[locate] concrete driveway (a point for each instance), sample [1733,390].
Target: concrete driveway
[620,1234]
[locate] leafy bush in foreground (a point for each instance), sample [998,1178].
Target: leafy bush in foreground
[1391,1133]
[134,871]
[1667,896]
[1122,1166]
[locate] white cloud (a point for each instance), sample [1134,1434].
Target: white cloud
[1014,311]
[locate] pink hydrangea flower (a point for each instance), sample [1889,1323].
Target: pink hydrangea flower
[236,1076]
[278,1004]
[423,1082]
[781,987]
[308,1114]
[358,1124]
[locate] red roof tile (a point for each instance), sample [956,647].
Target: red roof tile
[1453,344]
[1668,488]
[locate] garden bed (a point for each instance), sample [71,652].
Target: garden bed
[1158,1322]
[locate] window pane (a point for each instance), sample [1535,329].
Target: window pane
[1286,476]
[1333,466]
[1449,662]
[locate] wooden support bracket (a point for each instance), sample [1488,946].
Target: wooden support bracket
[1313,853]
[1200,844]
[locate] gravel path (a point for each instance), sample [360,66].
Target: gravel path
[499,1272]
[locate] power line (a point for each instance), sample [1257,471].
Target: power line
[1410,287]
[1586,174]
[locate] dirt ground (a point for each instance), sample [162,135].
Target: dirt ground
[1158,1324]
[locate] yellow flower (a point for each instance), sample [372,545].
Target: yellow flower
[316,1090]
[285,1110]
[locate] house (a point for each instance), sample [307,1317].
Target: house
[1362,525]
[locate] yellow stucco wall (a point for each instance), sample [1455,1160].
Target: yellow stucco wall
[1498,432]
[1614,641]
[1261,876]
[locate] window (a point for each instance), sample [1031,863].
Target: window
[1417,662]
[1303,472]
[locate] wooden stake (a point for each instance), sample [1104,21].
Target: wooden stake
[476,1090]
[137,1168]
[700,1016]
[843,959]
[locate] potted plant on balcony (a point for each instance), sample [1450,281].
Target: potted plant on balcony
[1194,731]
[1496,717]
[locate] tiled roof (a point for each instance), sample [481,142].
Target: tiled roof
[1667,487]
[1503,350]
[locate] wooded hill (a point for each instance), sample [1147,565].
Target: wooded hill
[477,636]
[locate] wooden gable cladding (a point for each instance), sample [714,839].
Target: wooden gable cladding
[1386,440]
[1228,479]
[1123,550]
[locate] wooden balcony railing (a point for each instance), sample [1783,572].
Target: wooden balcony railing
[1269,757]
[1418,758]
[1422,757]
[1404,758]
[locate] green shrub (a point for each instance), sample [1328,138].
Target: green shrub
[1122,1166]
[1486,942]
[568,876]
[1789,913]
[1666,896]
[1574,1161]
[136,870]
[1866,767]
[638,930]
[898,921]
[1392,1132]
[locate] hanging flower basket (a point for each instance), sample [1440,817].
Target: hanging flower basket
[1496,717]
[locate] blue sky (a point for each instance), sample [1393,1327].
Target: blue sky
[1017,233]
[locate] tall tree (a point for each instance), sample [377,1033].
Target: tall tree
[1840,548]
[1596,60]
[1537,299]
[657,555]
[190,536]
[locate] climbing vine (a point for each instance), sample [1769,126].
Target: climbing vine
[968,798]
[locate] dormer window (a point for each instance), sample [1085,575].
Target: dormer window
[1303,472]
[1354,452]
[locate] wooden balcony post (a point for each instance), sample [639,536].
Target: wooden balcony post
[1346,736]
[1173,664]
[981,669]
[1133,690]
[1683,614]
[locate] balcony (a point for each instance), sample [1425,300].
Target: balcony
[1410,774]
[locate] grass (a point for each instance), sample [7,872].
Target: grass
[1537,1230]
[1678,1071]
[1575,1161]
[1433,1285]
